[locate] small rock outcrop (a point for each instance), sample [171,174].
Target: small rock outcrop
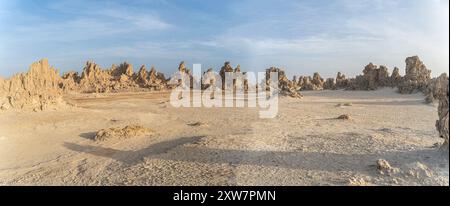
[128,131]
[120,78]
[344,117]
[385,168]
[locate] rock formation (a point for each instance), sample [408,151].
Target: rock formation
[209,79]
[285,86]
[142,77]
[430,91]
[182,67]
[341,81]
[416,77]
[370,76]
[329,84]
[94,79]
[396,78]
[157,80]
[317,82]
[383,78]
[183,78]
[121,78]
[311,83]
[70,81]
[225,69]
[373,77]
[239,80]
[38,89]
[117,79]
[304,82]
[441,91]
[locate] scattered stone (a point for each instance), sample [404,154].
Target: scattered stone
[384,167]
[344,117]
[195,124]
[128,131]
[354,181]
[419,171]
[348,104]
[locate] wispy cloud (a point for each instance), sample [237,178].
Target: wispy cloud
[85,26]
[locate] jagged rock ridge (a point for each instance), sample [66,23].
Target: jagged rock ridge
[38,89]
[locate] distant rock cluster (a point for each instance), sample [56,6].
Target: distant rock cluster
[116,79]
[41,87]
[315,82]
[417,78]
[373,77]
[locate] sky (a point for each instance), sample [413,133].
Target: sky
[300,36]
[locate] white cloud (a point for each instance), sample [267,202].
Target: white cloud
[382,32]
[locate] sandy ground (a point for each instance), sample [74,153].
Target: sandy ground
[303,145]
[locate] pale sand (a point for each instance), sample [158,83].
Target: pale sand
[304,145]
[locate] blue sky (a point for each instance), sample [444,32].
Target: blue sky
[300,36]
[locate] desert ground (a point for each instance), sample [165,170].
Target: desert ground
[304,145]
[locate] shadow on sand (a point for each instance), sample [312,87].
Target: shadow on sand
[286,159]
[88,135]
